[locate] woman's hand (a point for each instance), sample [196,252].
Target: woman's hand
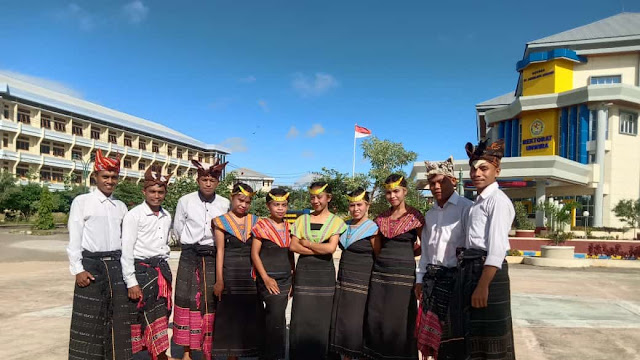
[271,285]
[217,289]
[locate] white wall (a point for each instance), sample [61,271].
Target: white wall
[625,65]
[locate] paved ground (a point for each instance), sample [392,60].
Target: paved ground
[558,313]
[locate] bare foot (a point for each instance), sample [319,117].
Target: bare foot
[187,354]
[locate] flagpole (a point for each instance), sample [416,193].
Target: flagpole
[353,169]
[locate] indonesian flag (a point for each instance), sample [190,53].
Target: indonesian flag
[362,132]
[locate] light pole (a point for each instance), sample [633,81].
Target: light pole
[585,216]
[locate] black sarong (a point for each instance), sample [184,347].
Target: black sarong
[239,315]
[195,304]
[275,260]
[390,318]
[350,299]
[313,290]
[102,313]
[150,330]
[488,331]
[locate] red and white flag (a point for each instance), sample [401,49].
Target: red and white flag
[362,132]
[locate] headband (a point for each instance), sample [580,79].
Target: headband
[244,192]
[394,184]
[279,198]
[318,191]
[357,197]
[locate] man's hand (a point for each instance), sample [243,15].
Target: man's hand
[418,291]
[272,286]
[480,296]
[217,289]
[135,293]
[84,278]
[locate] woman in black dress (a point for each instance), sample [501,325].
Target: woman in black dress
[274,265]
[315,237]
[239,314]
[352,285]
[392,306]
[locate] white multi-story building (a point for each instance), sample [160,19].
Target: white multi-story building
[571,125]
[258,181]
[54,136]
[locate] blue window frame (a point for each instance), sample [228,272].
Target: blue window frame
[604,80]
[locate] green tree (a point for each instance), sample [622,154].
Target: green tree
[628,211]
[23,198]
[67,195]
[178,189]
[522,217]
[259,205]
[129,193]
[226,185]
[45,208]
[341,184]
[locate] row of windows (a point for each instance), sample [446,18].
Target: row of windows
[57,175]
[604,80]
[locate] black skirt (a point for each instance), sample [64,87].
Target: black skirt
[350,299]
[276,263]
[239,314]
[102,313]
[392,306]
[313,291]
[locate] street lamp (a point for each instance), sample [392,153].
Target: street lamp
[585,216]
[85,169]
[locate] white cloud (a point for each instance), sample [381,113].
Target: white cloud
[305,180]
[317,85]
[316,129]
[293,133]
[248,79]
[221,103]
[43,82]
[307,154]
[135,12]
[75,13]
[263,105]
[235,144]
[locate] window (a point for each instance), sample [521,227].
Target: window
[95,133]
[179,172]
[5,140]
[170,150]
[113,138]
[155,147]
[76,154]
[45,174]
[142,145]
[22,143]
[593,125]
[45,147]
[45,121]
[628,123]
[59,125]
[22,171]
[206,159]
[142,165]
[603,80]
[76,129]
[127,163]
[58,149]
[179,154]
[592,158]
[199,158]
[5,112]
[127,140]
[24,116]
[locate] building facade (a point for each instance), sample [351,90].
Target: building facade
[53,137]
[257,181]
[571,126]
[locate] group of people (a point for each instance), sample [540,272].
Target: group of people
[237,272]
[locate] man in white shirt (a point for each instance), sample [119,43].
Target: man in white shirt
[145,250]
[443,233]
[102,313]
[483,269]
[194,301]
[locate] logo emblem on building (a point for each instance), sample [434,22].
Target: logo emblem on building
[537,127]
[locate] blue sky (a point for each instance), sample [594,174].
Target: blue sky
[282,83]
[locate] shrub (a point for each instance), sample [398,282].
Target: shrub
[45,208]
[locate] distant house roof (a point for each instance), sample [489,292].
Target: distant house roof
[63,103]
[614,27]
[244,173]
[501,100]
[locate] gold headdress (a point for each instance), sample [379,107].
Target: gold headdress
[357,197]
[279,198]
[394,184]
[318,191]
[244,192]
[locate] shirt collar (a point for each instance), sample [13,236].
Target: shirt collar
[102,197]
[149,212]
[202,198]
[488,191]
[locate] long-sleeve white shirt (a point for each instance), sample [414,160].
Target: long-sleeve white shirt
[192,223]
[95,222]
[490,220]
[445,229]
[144,235]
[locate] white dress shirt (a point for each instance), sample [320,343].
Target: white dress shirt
[144,235]
[490,220]
[192,224]
[95,224]
[445,229]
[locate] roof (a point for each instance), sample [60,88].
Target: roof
[618,26]
[504,99]
[245,173]
[26,91]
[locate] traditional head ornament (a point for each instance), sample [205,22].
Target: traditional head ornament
[243,191]
[357,197]
[318,191]
[440,168]
[103,163]
[214,170]
[279,198]
[153,176]
[485,153]
[394,184]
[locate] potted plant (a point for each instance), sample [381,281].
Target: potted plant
[524,226]
[559,215]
